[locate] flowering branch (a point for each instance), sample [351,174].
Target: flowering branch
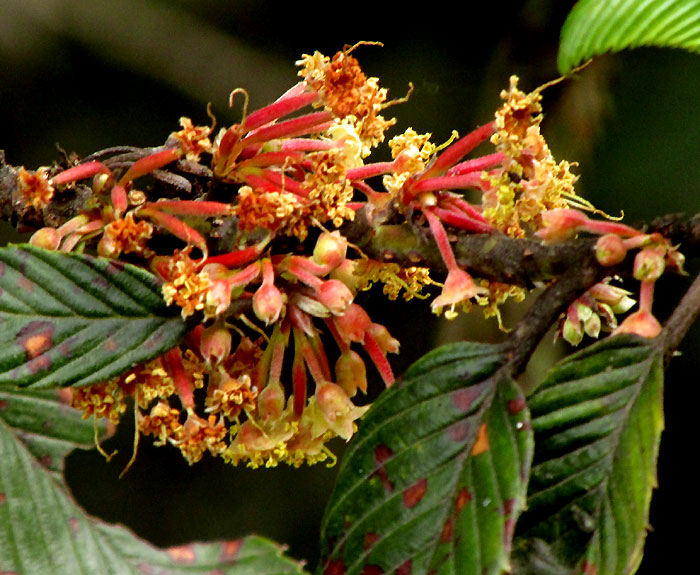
[237,227]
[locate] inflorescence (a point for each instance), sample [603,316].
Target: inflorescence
[297,170]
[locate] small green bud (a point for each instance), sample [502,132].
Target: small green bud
[571,331]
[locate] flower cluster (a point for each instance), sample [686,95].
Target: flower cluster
[265,276]
[288,175]
[596,309]
[530,181]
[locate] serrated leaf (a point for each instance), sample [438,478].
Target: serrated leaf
[70,319]
[594,27]
[435,478]
[44,532]
[597,418]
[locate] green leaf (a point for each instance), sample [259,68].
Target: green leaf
[69,319]
[594,27]
[597,418]
[43,531]
[436,477]
[48,428]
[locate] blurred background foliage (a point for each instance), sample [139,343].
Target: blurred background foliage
[89,74]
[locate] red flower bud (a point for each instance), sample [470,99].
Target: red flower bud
[268,303]
[353,324]
[351,373]
[561,223]
[383,338]
[80,172]
[271,402]
[335,296]
[47,238]
[330,250]
[215,344]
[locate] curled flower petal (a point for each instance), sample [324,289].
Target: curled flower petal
[459,286]
[337,409]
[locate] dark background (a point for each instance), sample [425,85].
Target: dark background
[88,74]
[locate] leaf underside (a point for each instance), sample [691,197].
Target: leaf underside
[594,27]
[435,479]
[69,319]
[597,419]
[44,532]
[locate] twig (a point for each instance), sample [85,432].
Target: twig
[571,266]
[495,257]
[548,307]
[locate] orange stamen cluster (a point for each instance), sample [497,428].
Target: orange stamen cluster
[125,235]
[35,188]
[185,286]
[193,140]
[102,400]
[530,181]
[277,211]
[346,91]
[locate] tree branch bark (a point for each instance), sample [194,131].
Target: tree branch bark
[568,268]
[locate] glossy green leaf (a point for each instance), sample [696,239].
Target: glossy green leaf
[598,26]
[68,319]
[597,418]
[436,476]
[44,532]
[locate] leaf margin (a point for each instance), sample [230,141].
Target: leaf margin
[594,27]
[537,554]
[374,422]
[159,326]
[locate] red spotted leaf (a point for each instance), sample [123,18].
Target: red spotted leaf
[435,479]
[69,319]
[43,530]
